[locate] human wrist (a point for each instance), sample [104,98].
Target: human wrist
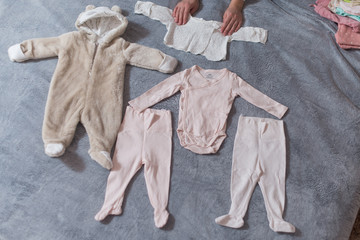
[191,2]
[237,4]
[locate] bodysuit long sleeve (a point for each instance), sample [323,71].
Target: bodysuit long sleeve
[205,102]
[257,98]
[163,90]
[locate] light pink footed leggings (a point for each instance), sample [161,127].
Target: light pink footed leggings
[144,138]
[259,156]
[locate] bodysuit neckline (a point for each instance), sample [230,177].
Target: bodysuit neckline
[220,73]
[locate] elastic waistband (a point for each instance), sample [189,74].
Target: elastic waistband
[149,111]
[260,120]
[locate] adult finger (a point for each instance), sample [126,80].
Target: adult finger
[229,26]
[186,15]
[181,14]
[226,21]
[232,29]
[238,26]
[176,13]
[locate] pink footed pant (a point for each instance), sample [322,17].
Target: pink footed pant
[144,139]
[259,156]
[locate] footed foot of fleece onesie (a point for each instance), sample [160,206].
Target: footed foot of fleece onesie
[87,85]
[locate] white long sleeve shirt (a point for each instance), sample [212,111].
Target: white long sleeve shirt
[198,36]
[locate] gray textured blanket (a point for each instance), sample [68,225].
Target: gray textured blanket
[300,66]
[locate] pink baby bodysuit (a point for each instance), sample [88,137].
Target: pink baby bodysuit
[205,102]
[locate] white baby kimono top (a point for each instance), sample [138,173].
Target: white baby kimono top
[197,35]
[205,102]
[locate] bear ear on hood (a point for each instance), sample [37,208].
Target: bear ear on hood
[116,9]
[89,7]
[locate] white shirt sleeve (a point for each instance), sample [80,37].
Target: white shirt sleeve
[250,34]
[153,11]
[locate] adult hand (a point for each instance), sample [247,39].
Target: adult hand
[182,10]
[232,18]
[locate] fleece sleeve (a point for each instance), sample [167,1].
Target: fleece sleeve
[257,98]
[153,11]
[36,49]
[163,90]
[150,58]
[250,34]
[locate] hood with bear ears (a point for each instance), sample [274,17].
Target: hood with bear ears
[101,24]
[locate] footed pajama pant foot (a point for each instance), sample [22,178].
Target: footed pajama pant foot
[259,156]
[144,139]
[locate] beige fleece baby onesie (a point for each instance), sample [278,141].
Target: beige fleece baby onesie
[206,99]
[87,85]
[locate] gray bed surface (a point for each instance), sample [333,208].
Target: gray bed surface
[300,66]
